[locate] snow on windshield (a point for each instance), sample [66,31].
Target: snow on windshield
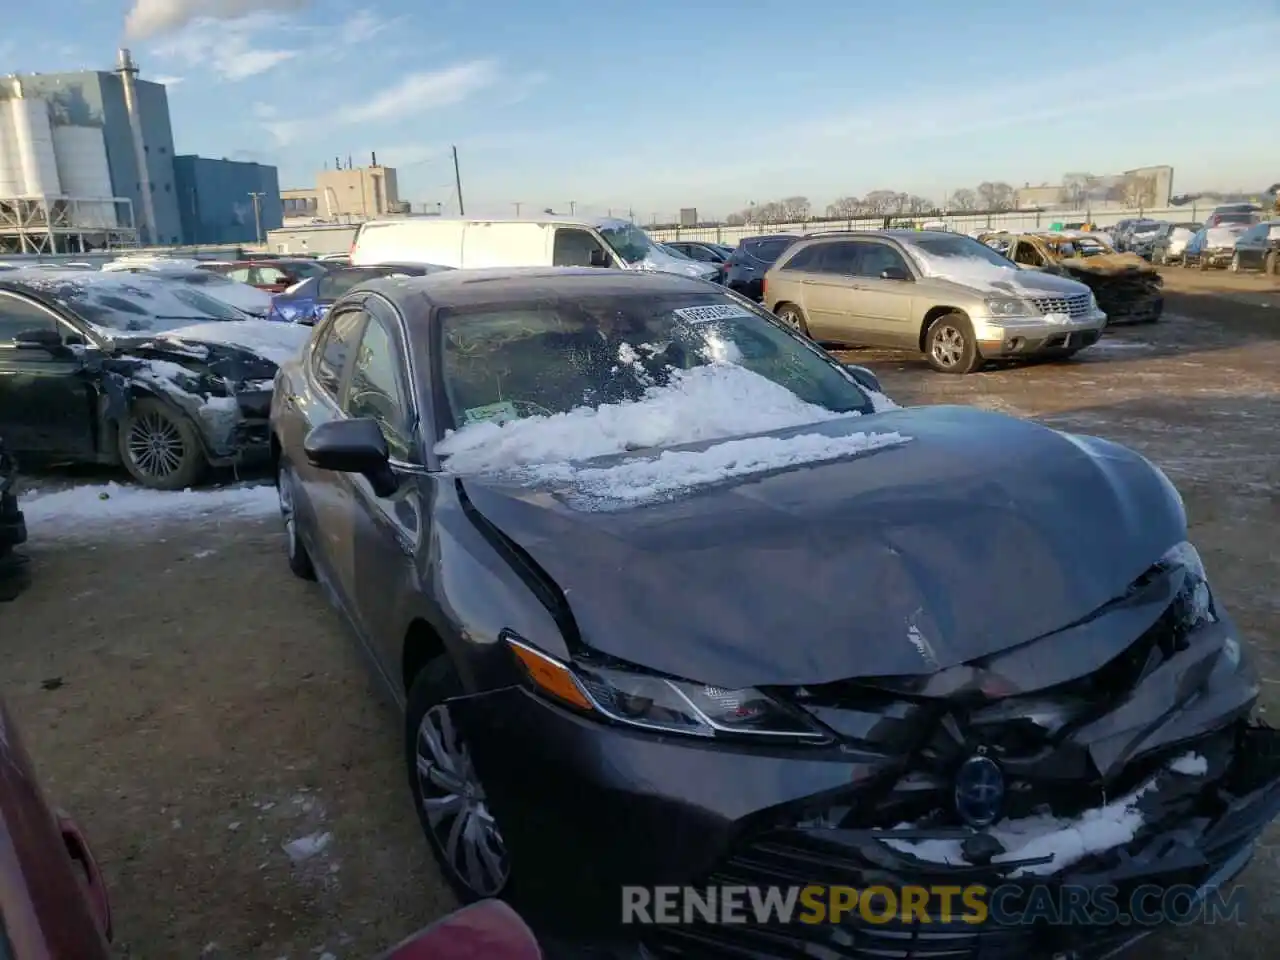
[711,402]
[963,260]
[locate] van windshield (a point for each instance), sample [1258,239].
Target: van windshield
[629,242]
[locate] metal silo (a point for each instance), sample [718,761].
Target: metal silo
[33,138]
[85,175]
[11,182]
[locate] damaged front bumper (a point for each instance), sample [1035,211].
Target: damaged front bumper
[1002,337]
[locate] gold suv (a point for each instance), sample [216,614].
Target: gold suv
[943,294]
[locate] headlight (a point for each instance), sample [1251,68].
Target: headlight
[660,703]
[1194,603]
[1006,307]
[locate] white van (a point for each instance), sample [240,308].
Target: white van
[472,242]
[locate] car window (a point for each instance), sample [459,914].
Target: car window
[375,389]
[573,248]
[271,275]
[1024,252]
[1256,233]
[18,315]
[702,253]
[334,348]
[806,259]
[839,258]
[877,258]
[242,274]
[766,251]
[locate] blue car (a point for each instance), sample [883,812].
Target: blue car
[308,301]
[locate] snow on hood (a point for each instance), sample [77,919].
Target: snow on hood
[277,342]
[710,402]
[663,262]
[1225,235]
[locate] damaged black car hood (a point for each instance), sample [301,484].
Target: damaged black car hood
[980,533]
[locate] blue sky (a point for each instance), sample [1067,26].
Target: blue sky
[651,105]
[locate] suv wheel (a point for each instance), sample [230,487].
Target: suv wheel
[950,345]
[793,317]
[1272,265]
[1235,263]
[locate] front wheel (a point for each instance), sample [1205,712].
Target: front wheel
[447,793]
[1203,262]
[1235,263]
[299,560]
[159,447]
[950,345]
[1272,264]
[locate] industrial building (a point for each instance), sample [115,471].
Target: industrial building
[346,194]
[87,163]
[226,201]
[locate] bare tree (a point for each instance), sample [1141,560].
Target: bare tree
[736,219]
[880,202]
[1140,191]
[1075,189]
[917,204]
[844,208]
[771,212]
[996,196]
[796,208]
[963,200]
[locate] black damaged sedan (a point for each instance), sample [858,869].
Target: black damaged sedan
[138,371]
[670,597]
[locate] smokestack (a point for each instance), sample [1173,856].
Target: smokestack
[373,159]
[128,72]
[349,163]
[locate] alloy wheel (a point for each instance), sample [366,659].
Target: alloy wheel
[948,346]
[791,317]
[156,446]
[1235,263]
[454,802]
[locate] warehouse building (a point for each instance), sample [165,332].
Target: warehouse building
[87,162]
[226,201]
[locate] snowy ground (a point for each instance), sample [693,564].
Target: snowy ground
[211,725]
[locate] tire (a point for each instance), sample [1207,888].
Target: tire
[160,448]
[1271,265]
[951,336]
[1203,262]
[299,560]
[793,317]
[436,683]
[1235,263]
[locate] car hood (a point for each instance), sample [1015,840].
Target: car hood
[664,262]
[980,533]
[1015,282]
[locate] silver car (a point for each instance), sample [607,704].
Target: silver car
[946,295]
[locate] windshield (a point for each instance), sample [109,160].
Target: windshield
[628,241]
[1245,218]
[116,303]
[304,269]
[956,247]
[606,354]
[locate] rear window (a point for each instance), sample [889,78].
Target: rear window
[767,251]
[1245,218]
[337,283]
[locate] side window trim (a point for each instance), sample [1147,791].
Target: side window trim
[318,344]
[60,325]
[405,432]
[379,307]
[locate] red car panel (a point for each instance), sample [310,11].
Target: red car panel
[488,929]
[52,900]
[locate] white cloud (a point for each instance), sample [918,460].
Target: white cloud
[411,154]
[153,18]
[420,92]
[167,81]
[228,49]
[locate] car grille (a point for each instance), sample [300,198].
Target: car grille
[1077,306]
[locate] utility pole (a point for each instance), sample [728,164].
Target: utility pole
[457,179]
[257,214]
[517,206]
[573,207]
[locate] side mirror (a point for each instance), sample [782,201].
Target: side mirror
[894,273]
[38,340]
[353,446]
[864,377]
[600,258]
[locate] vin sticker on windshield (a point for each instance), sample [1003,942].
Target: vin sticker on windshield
[498,413]
[715,311]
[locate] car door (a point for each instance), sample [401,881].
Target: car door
[47,401]
[885,286]
[830,289]
[328,498]
[389,530]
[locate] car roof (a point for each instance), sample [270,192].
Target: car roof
[498,285]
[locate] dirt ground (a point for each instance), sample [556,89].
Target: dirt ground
[197,708]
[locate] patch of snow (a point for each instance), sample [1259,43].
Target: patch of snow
[304,848]
[277,342]
[675,471]
[971,272]
[1062,841]
[879,402]
[92,506]
[710,402]
[1190,764]
[221,413]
